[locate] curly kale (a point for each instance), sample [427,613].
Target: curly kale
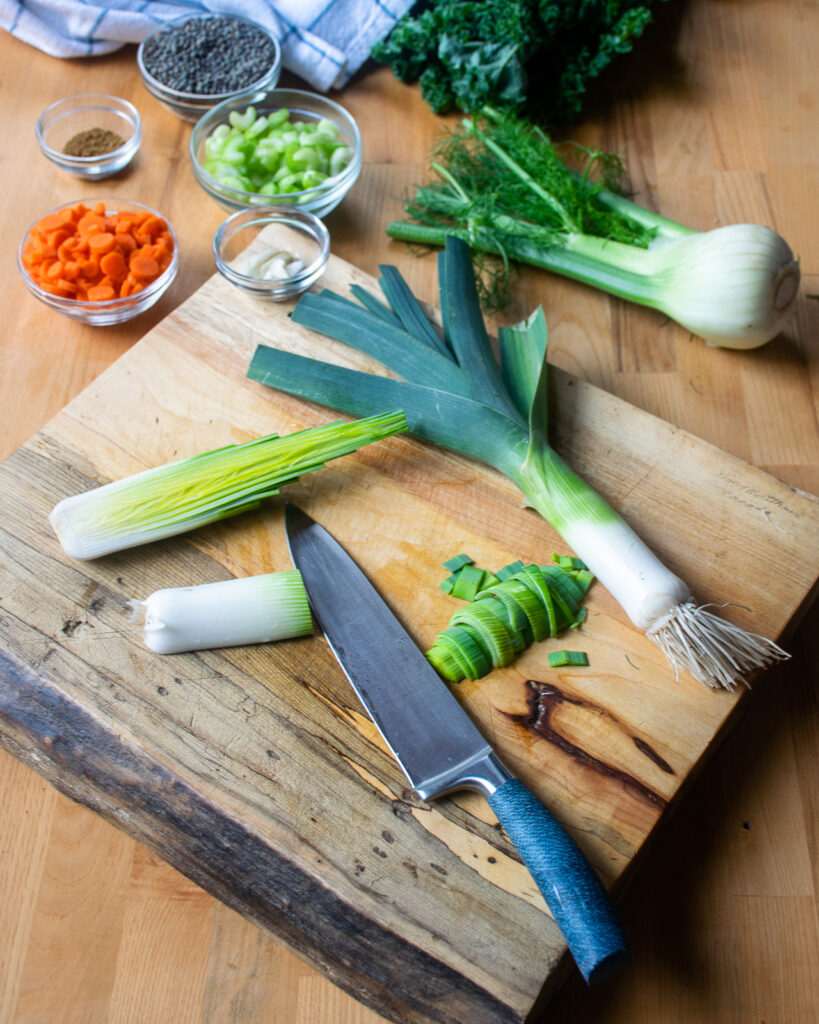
[536,57]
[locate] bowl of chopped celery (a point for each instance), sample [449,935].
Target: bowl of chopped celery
[283,146]
[274,252]
[195,62]
[101,261]
[91,136]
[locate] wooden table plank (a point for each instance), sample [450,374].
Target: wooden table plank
[737,936]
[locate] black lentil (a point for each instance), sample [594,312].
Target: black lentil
[208,56]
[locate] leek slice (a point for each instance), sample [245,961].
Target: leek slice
[502,621]
[228,613]
[557,659]
[180,496]
[487,418]
[458,562]
[468,582]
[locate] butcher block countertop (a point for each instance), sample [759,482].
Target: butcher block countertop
[154,869]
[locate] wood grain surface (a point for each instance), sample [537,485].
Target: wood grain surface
[718,124]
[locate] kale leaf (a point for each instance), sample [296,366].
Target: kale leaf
[536,57]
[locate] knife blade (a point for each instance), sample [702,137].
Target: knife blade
[438,746]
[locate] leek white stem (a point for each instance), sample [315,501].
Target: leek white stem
[230,613]
[693,639]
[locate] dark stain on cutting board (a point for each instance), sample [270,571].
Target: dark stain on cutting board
[544,699]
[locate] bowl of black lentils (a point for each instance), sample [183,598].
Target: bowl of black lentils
[198,61]
[280,147]
[91,136]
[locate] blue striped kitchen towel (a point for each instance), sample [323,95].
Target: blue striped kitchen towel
[323,41]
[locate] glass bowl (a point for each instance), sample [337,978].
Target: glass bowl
[112,311]
[303,106]
[296,243]
[60,122]
[190,106]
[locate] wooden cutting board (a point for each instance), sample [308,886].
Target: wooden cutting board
[255,771]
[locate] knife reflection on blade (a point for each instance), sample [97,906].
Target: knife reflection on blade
[438,746]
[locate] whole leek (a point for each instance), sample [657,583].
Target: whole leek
[504,189]
[499,415]
[228,613]
[180,496]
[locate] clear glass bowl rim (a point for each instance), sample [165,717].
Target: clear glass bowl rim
[312,225]
[251,98]
[204,98]
[123,303]
[83,161]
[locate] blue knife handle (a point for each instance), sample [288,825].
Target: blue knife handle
[570,886]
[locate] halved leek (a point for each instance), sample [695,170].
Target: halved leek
[228,613]
[499,415]
[180,496]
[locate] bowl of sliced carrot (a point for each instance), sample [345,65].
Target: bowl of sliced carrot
[101,261]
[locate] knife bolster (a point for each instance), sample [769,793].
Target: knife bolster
[483,773]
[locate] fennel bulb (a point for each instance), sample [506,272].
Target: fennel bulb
[499,415]
[504,189]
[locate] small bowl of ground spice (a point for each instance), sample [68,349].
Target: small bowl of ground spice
[193,63]
[91,136]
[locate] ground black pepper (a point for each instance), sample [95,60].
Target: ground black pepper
[207,56]
[93,142]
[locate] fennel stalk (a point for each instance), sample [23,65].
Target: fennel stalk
[504,189]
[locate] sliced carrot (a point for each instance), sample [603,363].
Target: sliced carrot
[127,243]
[67,250]
[89,268]
[100,242]
[90,222]
[113,264]
[101,292]
[56,238]
[144,268]
[52,221]
[95,255]
[153,226]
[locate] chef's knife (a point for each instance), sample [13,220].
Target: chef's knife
[438,746]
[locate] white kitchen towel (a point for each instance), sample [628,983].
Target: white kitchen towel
[323,41]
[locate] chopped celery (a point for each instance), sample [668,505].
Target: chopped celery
[272,155]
